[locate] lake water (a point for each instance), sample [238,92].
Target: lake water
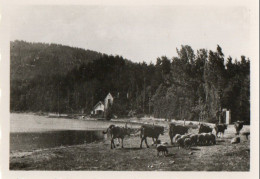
[34,123]
[24,141]
[28,131]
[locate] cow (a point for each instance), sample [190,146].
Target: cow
[177,129]
[108,130]
[204,128]
[117,132]
[220,128]
[150,131]
[238,126]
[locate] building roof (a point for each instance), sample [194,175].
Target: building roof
[100,102]
[109,94]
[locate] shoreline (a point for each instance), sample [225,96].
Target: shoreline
[98,156]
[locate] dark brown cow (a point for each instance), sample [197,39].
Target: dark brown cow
[150,131]
[203,128]
[238,126]
[177,129]
[220,128]
[117,132]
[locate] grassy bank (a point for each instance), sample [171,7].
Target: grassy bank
[223,156]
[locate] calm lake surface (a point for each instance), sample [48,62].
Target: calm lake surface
[28,131]
[34,123]
[25,141]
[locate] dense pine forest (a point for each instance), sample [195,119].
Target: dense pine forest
[191,86]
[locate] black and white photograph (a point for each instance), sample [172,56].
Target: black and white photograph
[98,87]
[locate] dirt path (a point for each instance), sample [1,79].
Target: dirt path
[98,156]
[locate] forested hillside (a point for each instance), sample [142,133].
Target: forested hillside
[193,85]
[29,60]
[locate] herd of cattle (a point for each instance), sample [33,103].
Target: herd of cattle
[178,134]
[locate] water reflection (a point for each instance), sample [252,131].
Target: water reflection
[37,140]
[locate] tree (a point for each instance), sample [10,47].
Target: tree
[55,78]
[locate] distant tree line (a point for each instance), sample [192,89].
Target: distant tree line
[191,86]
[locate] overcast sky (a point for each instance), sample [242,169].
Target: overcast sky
[138,33]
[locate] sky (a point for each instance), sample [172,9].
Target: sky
[138,33]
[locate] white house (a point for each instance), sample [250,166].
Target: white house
[108,100]
[98,108]
[101,107]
